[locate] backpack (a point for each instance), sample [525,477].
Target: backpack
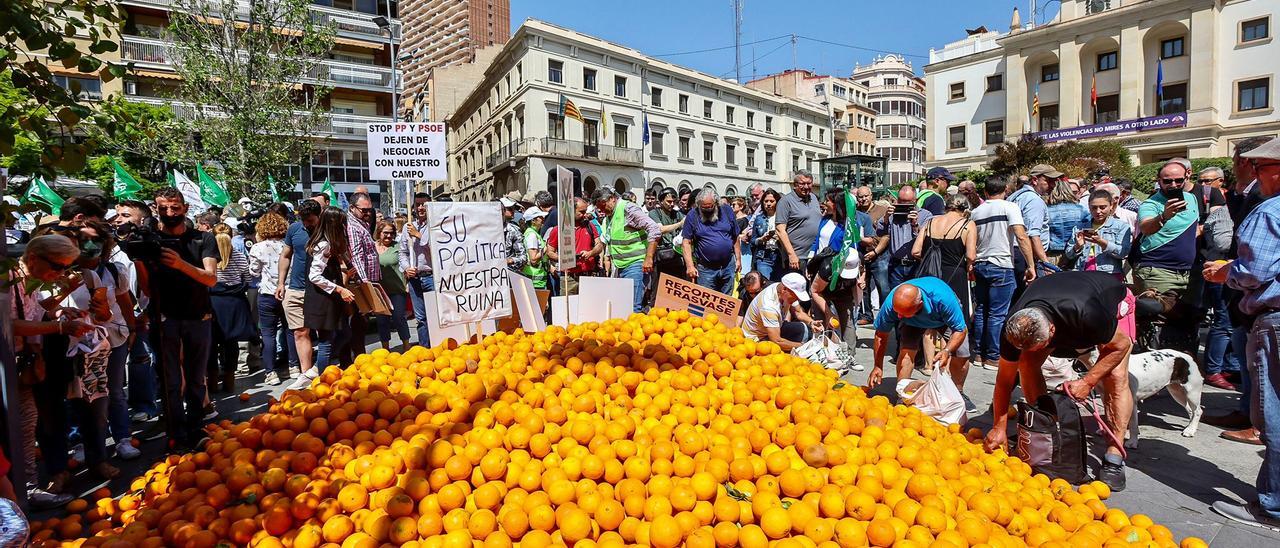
[1051,437]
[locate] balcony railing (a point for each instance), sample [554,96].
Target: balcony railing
[331,124]
[511,150]
[580,149]
[145,50]
[344,21]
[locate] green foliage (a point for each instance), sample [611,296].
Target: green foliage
[978,176]
[1078,159]
[1144,176]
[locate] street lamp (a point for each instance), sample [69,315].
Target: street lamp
[384,23]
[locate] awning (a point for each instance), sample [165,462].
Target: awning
[357,43]
[157,74]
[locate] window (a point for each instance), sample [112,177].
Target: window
[655,140]
[1171,48]
[1096,6]
[955,138]
[837,90]
[555,71]
[708,151]
[684,103]
[520,73]
[684,148]
[1049,73]
[768,124]
[795,162]
[589,79]
[819,90]
[957,91]
[808,132]
[1256,29]
[1253,94]
[1048,117]
[1174,99]
[1107,61]
[728,114]
[751,158]
[85,88]
[795,129]
[620,135]
[729,151]
[768,160]
[655,97]
[751,120]
[620,86]
[706,109]
[890,81]
[555,125]
[994,130]
[995,82]
[1108,109]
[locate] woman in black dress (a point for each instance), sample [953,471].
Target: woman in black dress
[326,299]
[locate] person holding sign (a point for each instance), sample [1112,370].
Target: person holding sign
[775,314]
[538,267]
[587,246]
[415,262]
[712,252]
[633,237]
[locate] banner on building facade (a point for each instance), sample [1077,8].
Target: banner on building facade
[676,294]
[566,211]
[1111,128]
[407,150]
[468,257]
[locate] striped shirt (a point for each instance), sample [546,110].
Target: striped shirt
[236,271]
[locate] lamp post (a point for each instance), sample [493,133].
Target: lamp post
[384,23]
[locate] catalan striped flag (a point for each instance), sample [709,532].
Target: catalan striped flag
[1035,102]
[569,110]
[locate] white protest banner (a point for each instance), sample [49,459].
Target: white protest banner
[407,150]
[566,212]
[605,298]
[469,259]
[676,294]
[459,333]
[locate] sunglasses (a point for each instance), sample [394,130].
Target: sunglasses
[57,266]
[1210,180]
[1177,181]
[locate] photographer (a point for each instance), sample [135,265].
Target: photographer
[141,373]
[181,311]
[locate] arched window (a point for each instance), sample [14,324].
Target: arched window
[589,185]
[731,191]
[621,185]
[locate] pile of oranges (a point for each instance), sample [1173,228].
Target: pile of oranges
[661,430]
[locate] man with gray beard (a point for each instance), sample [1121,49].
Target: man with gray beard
[712,253]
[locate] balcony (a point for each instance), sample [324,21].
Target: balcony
[355,24]
[336,125]
[511,150]
[145,50]
[582,150]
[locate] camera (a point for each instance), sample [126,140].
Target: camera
[143,242]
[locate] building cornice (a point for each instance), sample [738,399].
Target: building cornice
[993,53]
[1057,33]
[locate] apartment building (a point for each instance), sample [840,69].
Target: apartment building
[1171,78]
[897,96]
[441,33]
[510,133]
[852,121]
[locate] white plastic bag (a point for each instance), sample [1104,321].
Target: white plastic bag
[937,397]
[814,350]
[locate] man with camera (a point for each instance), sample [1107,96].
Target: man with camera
[180,278]
[131,214]
[897,232]
[1168,223]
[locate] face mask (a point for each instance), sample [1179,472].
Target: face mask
[172,221]
[90,250]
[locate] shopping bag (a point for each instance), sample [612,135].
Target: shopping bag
[839,357]
[1051,437]
[814,350]
[370,298]
[936,397]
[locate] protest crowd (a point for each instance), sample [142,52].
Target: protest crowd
[129,316]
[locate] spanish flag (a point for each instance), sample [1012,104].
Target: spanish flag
[568,109]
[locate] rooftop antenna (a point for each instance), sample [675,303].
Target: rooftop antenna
[737,39]
[793,52]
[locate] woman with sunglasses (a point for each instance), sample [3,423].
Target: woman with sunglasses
[393,283]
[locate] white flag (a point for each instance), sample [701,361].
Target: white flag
[191,193]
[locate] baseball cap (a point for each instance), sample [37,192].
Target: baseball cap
[851,264]
[1268,151]
[1046,170]
[534,213]
[797,284]
[508,202]
[940,172]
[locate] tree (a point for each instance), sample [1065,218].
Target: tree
[1078,159]
[69,33]
[244,82]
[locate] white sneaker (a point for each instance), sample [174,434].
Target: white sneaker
[856,366]
[272,378]
[304,380]
[990,366]
[126,451]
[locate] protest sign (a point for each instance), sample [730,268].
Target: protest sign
[676,294]
[566,210]
[564,310]
[407,150]
[606,298]
[460,333]
[529,306]
[469,259]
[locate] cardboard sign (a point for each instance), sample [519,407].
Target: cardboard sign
[564,310]
[676,294]
[469,259]
[460,333]
[566,212]
[530,303]
[603,299]
[407,150]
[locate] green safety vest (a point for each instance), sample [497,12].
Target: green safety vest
[626,246]
[537,272]
[925,196]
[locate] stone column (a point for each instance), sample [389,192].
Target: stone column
[1017,108]
[1069,85]
[1133,72]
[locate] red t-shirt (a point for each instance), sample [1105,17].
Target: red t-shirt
[584,238]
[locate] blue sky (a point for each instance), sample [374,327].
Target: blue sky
[657,27]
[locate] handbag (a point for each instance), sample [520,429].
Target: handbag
[29,361]
[1051,437]
[370,298]
[931,261]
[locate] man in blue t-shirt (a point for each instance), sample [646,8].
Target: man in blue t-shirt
[294,262]
[1168,223]
[912,308]
[712,252]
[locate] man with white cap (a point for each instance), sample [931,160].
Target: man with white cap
[1256,273]
[837,292]
[775,314]
[511,235]
[912,308]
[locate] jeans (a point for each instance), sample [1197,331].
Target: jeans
[878,276]
[764,263]
[992,295]
[417,286]
[717,279]
[142,375]
[1264,403]
[51,404]
[1219,337]
[782,267]
[93,428]
[635,273]
[117,399]
[325,340]
[898,273]
[396,319]
[184,357]
[1239,345]
[275,334]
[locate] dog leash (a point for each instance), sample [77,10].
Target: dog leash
[1102,425]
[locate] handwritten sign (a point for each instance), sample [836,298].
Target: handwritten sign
[469,259]
[676,294]
[567,257]
[407,150]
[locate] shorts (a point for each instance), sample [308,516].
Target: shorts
[911,338]
[294,315]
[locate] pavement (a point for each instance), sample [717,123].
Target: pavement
[1171,478]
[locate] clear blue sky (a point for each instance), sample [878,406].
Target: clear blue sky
[657,27]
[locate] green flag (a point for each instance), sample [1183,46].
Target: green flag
[172,182]
[328,189]
[210,190]
[124,186]
[275,194]
[40,193]
[852,235]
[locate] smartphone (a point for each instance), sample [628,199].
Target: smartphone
[1089,232]
[1174,193]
